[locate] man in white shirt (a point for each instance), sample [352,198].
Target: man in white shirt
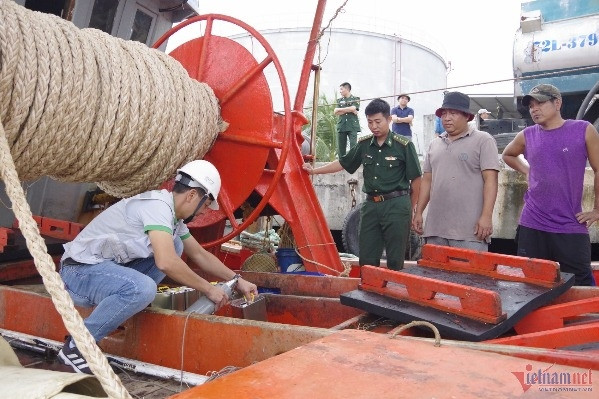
[117,260]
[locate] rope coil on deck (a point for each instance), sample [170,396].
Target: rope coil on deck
[80,106]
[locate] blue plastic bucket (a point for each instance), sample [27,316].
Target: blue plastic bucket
[287,257]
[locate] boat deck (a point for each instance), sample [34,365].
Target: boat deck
[138,385]
[249,345]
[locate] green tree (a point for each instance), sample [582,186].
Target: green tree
[326,129]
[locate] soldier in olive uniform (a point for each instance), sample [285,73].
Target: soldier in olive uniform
[391,182]
[348,124]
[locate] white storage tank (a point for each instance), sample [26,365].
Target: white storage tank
[375,64]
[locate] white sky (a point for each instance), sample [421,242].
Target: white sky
[476,36]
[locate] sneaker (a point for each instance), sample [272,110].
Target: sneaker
[70,356]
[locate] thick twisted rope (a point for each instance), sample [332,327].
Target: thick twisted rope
[52,281]
[82,106]
[416,323]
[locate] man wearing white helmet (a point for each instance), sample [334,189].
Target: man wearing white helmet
[118,259]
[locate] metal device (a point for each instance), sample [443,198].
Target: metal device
[205,306]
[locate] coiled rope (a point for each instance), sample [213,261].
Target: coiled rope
[81,106]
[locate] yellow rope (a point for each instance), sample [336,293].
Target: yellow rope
[80,105]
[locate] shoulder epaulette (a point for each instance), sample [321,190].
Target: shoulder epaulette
[367,137]
[401,139]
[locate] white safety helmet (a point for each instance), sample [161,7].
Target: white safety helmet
[203,175]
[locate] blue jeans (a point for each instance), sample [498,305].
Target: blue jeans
[117,291]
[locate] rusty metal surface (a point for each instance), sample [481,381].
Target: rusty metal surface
[576,293]
[517,299]
[300,311]
[156,335]
[308,311]
[356,364]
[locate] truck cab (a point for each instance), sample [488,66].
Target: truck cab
[558,43]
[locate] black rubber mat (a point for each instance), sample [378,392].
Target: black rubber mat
[18,250]
[517,299]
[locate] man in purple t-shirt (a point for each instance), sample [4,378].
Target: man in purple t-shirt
[553,225]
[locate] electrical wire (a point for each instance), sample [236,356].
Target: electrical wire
[523,78]
[183,349]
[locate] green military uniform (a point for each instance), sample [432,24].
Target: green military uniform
[387,169]
[348,124]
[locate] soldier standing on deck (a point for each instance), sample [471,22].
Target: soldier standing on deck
[391,182]
[348,125]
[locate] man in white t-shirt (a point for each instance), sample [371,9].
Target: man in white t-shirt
[117,260]
[479,120]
